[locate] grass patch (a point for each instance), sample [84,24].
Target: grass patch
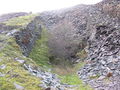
[71,79]
[68,75]
[40,52]
[14,71]
[20,21]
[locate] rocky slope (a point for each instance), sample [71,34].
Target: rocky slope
[98,25]
[32,48]
[18,72]
[23,57]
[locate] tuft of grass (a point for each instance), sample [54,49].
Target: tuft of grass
[5,84]
[20,21]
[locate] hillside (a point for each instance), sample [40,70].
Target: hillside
[75,48]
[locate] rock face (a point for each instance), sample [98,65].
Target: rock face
[27,36]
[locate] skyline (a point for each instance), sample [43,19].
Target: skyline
[8,6]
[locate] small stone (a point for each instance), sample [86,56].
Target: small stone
[2,75]
[18,87]
[20,61]
[2,66]
[11,32]
[103,62]
[101,77]
[0,60]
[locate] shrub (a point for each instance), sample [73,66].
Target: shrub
[62,42]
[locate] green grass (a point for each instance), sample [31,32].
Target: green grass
[14,71]
[66,72]
[73,79]
[20,21]
[69,76]
[40,52]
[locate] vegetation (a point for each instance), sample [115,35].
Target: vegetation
[40,52]
[63,68]
[14,71]
[82,54]
[20,21]
[62,42]
[68,75]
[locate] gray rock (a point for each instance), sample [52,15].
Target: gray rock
[18,87]
[2,66]
[20,61]
[11,32]
[27,36]
[2,75]
[103,62]
[101,77]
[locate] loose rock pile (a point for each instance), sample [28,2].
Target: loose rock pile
[49,80]
[103,48]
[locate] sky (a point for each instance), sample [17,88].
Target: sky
[7,6]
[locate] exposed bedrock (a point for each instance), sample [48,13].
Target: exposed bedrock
[27,36]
